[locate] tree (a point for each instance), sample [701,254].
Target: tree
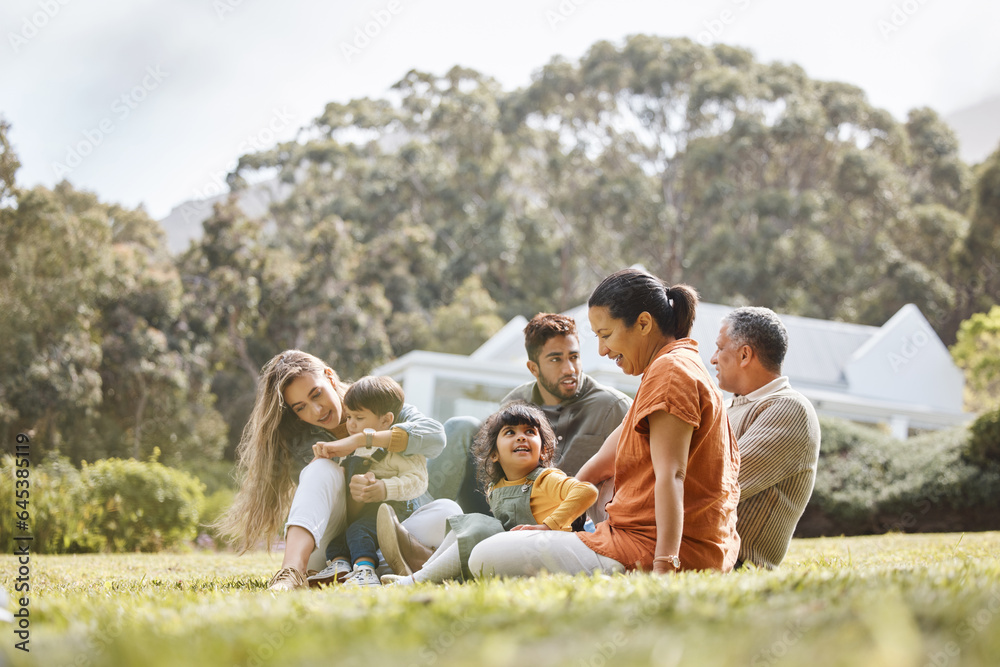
[91,362]
[977,352]
[750,180]
[465,323]
[936,173]
[56,266]
[977,256]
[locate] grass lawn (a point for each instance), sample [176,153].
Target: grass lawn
[893,600]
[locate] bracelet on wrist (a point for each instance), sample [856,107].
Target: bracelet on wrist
[674,561]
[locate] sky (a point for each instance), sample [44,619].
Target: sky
[151,101]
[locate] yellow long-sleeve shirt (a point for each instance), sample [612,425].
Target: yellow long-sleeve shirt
[556,498]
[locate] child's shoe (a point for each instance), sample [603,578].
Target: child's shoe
[334,572]
[363,575]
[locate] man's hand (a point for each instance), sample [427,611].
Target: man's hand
[540,526]
[343,447]
[366,489]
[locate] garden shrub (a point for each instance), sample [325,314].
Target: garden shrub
[215,475]
[853,463]
[56,523]
[142,506]
[868,482]
[984,440]
[110,505]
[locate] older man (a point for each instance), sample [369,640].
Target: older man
[777,432]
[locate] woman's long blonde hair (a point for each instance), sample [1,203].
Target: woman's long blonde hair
[263,458]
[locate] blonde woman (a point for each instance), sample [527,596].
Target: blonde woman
[296,427]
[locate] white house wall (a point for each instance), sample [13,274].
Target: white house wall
[907,363]
[900,374]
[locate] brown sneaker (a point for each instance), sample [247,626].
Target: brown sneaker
[402,552]
[286,579]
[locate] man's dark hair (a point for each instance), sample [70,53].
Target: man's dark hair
[761,329]
[377,393]
[543,327]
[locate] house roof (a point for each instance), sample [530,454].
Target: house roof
[902,363]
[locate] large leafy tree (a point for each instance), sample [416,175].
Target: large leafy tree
[427,217]
[977,256]
[92,362]
[752,181]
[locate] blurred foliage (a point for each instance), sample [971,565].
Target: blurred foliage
[110,505]
[59,523]
[141,506]
[426,218]
[216,504]
[977,352]
[97,360]
[868,482]
[984,440]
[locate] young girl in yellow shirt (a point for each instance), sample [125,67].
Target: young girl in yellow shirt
[513,452]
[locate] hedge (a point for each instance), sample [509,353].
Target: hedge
[109,505]
[868,482]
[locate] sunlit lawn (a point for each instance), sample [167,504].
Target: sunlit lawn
[893,600]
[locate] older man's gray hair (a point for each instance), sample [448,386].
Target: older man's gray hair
[761,329]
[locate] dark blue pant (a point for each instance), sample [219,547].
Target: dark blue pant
[360,540]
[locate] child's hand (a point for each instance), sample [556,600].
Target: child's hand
[343,447]
[540,526]
[366,489]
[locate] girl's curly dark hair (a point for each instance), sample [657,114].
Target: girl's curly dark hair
[517,413]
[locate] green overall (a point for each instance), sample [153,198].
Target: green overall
[511,505]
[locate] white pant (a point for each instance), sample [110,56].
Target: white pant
[525,553]
[319,506]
